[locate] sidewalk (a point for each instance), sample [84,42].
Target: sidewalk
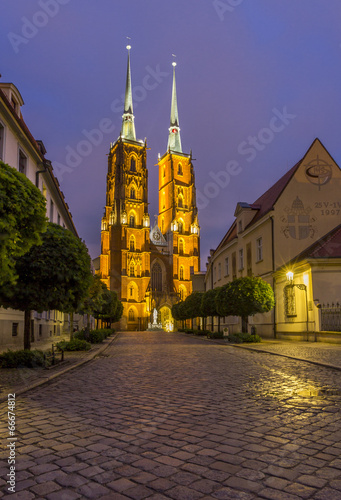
[319,353]
[20,380]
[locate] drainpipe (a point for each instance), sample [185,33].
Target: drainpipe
[273,270]
[45,164]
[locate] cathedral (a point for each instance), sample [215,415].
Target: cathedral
[149,267]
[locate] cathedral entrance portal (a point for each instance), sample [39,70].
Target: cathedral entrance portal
[167,320]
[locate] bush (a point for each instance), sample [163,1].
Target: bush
[16,359]
[238,338]
[201,333]
[93,336]
[74,345]
[215,335]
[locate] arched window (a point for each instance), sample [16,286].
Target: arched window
[132,194]
[180,169]
[132,269]
[163,225]
[180,227]
[180,202]
[156,277]
[182,292]
[181,273]
[181,246]
[132,244]
[132,221]
[131,315]
[164,171]
[133,165]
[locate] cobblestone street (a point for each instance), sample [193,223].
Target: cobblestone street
[161,415]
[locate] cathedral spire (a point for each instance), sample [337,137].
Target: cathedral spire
[128,127]
[174,140]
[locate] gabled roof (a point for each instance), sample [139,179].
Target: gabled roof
[265,203]
[327,247]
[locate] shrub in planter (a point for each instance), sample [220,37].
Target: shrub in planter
[74,345]
[15,359]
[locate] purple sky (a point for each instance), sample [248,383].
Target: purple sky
[238,61]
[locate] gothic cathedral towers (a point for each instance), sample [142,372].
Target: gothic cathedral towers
[178,213]
[150,269]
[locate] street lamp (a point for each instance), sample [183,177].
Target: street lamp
[300,286]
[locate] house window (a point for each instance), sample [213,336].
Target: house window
[249,259]
[15,328]
[2,141]
[241,259]
[227,269]
[219,271]
[181,273]
[259,246]
[22,162]
[40,330]
[58,219]
[51,210]
[131,315]
[180,172]
[234,265]
[132,244]
[181,247]
[156,277]
[240,226]
[132,221]
[133,165]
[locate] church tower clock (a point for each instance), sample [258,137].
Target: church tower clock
[125,226]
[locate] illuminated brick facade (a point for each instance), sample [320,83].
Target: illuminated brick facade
[148,267]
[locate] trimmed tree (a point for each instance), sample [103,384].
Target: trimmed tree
[245,297]
[55,275]
[208,304]
[111,309]
[192,306]
[22,220]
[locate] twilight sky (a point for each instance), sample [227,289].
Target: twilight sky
[257,81]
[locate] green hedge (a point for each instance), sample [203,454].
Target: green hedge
[94,336]
[16,359]
[74,345]
[215,335]
[238,338]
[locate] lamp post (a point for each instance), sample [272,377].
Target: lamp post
[300,286]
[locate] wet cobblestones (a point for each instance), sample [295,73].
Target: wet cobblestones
[167,416]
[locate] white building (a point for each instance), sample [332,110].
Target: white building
[20,150]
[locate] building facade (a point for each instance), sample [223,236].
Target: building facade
[21,151]
[276,235]
[149,267]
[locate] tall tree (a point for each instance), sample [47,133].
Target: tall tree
[22,220]
[54,275]
[245,297]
